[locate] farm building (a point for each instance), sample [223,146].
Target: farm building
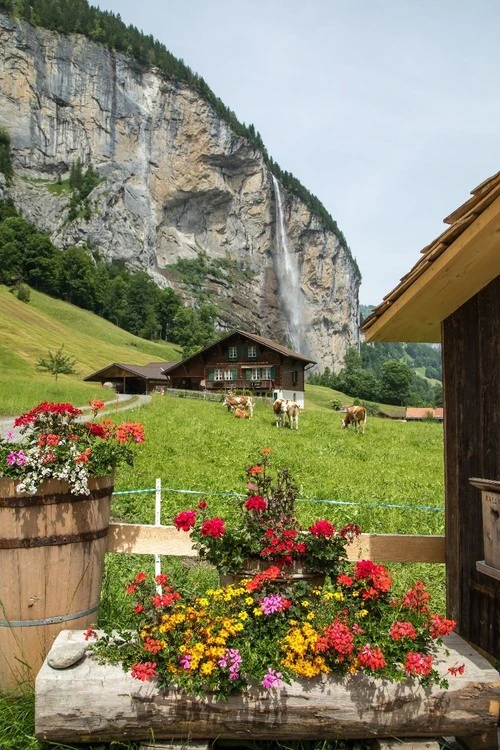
[452,296]
[418,414]
[132,378]
[243,361]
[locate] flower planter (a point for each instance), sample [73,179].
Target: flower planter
[490,498]
[52,547]
[290,573]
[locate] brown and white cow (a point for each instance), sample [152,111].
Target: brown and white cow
[292,412]
[280,407]
[233,402]
[241,413]
[355,415]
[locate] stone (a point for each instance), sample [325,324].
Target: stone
[66,655]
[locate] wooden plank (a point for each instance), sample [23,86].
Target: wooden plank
[66,708]
[166,540]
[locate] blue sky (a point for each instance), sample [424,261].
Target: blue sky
[387,110]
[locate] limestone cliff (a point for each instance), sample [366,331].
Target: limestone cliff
[176,182]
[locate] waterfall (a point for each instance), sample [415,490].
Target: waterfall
[287,271]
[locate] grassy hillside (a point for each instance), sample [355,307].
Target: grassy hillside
[29,331]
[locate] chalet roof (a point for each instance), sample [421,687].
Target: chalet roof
[413,412]
[151,371]
[452,269]
[252,337]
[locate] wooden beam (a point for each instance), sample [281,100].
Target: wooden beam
[166,540]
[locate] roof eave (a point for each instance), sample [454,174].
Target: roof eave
[465,267]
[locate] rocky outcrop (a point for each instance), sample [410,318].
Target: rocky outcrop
[176,182]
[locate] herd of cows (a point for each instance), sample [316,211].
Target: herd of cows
[287,411]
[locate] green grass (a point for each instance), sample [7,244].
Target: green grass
[28,331]
[197,445]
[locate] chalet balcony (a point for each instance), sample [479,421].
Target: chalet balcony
[239,384]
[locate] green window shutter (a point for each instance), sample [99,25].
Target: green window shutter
[273,373]
[248,374]
[210,374]
[234,374]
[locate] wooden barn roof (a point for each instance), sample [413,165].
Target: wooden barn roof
[452,269]
[151,371]
[252,337]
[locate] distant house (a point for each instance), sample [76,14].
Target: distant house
[414,414]
[243,361]
[132,378]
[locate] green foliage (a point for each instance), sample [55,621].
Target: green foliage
[194,329]
[22,292]
[81,183]
[5,157]
[57,363]
[366,376]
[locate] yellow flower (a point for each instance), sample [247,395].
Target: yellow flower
[249,601]
[305,603]
[208,667]
[338,596]
[310,616]
[354,593]
[243,616]
[258,612]
[203,602]
[362,613]
[328,596]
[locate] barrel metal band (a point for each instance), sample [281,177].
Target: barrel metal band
[48,620]
[67,497]
[53,541]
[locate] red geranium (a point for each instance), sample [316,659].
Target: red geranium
[214,527]
[322,528]
[255,502]
[185,520]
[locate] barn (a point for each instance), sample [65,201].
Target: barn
[452,296]
[135,379]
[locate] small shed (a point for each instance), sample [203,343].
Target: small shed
[135,379]
[452,296]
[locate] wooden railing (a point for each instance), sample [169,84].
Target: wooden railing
[166,540]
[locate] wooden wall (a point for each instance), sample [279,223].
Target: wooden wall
[471,380]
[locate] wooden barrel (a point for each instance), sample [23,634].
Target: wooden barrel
[52,548]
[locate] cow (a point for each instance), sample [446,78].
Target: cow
[241,413]
[292,412]
[232,402]
[280,407]
[355,415]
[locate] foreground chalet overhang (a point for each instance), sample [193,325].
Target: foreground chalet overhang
[454,267]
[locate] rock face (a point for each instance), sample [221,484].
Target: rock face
[176,183]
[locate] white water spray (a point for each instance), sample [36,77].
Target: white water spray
[287,271]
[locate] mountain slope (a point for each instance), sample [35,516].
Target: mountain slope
[28,331]
[174,183]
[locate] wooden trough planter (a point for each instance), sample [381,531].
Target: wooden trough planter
[89,702]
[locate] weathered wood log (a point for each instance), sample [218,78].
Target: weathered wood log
[92,702]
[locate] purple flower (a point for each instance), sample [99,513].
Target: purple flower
[273,603]
[231,659]
[185,661]
[17,458]
[272,679]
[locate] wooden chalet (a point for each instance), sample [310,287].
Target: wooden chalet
[136,379]
[452,296]
[243,361]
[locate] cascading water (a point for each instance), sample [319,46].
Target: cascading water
[288,277]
